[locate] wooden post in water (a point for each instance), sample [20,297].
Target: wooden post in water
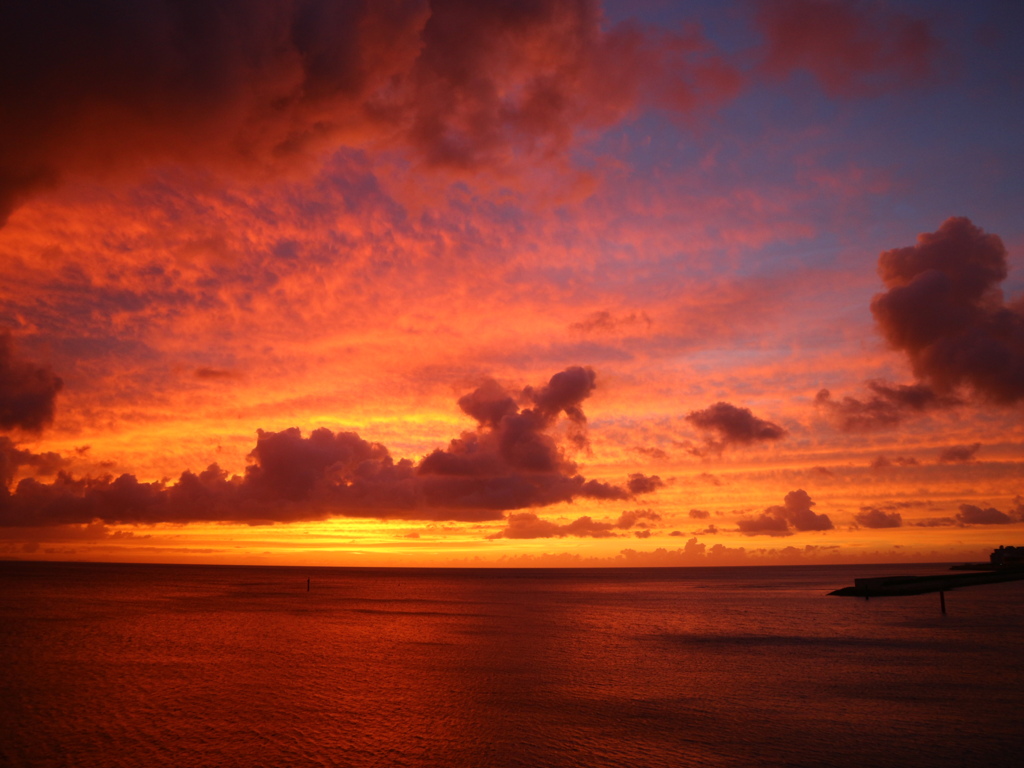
[942,601]
[307,589]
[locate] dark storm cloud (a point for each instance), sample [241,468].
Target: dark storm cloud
[252,85]
[851,47]
[510,461]
[776,520]
[887,406]
[869,517]
[945,309]
[28,391]
[733,426]
[959,454]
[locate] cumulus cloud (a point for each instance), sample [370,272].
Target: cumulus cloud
[257,85]
[528,525]
[869,517]
[887,406]
[776,520]
[638,517]
[959,454]
[733,426]
[510,461]
[12,458]
[639,483]
[972,515]
[768,523]
[28,391]
[945,310]
[563,394]
[699,514]
[851,47]
[507,437]
[488,404]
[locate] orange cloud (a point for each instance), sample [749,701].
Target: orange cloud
[260,88]
[511,461]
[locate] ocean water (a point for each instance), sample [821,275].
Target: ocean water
[147,665]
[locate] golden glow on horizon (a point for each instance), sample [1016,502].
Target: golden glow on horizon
[360,260]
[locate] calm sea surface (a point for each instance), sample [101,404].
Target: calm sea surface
[146,665]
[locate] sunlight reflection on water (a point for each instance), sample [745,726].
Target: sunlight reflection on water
[199,666]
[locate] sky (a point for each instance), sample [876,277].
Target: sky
[545,283]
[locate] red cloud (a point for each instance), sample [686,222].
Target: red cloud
[28,392]
[870,517]
[12,458]
[959,454]
[261,85]
[850,47]
[888,406]
[882,462]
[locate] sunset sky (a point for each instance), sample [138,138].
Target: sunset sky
[511,283]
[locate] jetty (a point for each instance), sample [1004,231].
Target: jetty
[1005,564]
